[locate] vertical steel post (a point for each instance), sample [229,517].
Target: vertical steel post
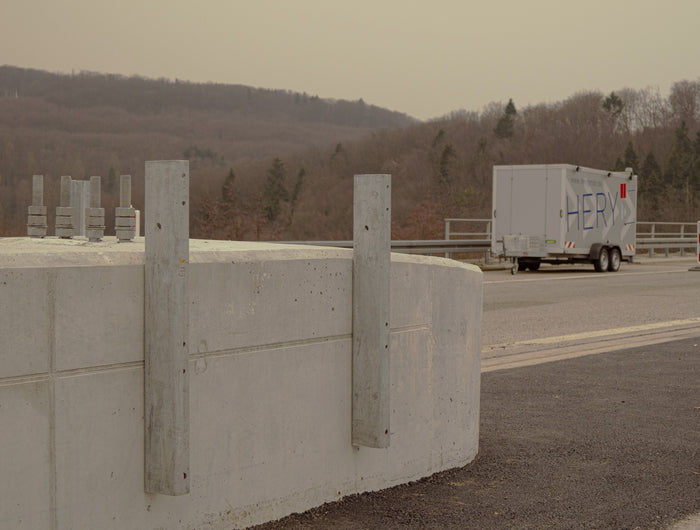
[447,236]
[487,253]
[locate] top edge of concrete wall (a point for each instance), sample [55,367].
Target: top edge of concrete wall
[25,252]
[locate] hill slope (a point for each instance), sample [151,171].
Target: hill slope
[443,168]
[95,124]
[277,165]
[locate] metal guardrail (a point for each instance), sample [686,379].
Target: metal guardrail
[666,236]
[658,236]
[429,246]
[450,232]
[651,235]
[662,229]
[440,246]
[666,244]
[469,225]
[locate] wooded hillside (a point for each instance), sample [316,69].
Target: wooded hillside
[107,125]
[280,171]
[443,168]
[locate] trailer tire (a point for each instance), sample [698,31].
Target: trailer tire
[602,261]
[614,262]
[533,265]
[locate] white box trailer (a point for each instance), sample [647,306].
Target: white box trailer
[561,213]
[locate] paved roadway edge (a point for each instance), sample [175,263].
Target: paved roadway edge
[512,356]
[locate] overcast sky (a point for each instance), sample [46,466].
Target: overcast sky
[422,57]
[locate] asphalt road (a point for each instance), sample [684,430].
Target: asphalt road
[651,297]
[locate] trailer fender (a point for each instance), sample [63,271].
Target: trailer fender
[594,253]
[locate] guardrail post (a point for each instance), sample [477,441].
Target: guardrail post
[447,236]
[697,250]
[166,328]
[487,253]
[682,232]
[36,213]
[370,310]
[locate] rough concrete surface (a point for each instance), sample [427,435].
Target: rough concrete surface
[604,441]
[270,367]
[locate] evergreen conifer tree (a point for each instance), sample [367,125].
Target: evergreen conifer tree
[505,128]
[274,190]
[227,190]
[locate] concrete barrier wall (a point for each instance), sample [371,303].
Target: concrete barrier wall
[270,382]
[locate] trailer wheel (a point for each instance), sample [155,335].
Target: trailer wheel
[614,264]
[601,264]
[533,265]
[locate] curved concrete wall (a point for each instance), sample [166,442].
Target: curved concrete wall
[270,382]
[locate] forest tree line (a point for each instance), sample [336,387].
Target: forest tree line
[443,168]
[140,95]
[274,175]
[101,124]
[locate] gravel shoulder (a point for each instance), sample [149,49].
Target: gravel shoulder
[603,441]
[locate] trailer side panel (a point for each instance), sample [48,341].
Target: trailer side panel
[561,211]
